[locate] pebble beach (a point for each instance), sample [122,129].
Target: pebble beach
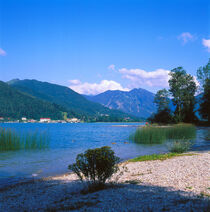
[175,184]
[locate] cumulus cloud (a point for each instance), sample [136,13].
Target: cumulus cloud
[95,88]
[75,82]
[206,43]
[186,37]
[2,52]
[111,67]
[141,78]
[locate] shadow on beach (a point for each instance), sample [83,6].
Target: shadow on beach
[60,195]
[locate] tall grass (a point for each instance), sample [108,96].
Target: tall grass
[11,140]
[158,135]
[181,131]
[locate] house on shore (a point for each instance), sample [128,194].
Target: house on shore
[45,120]
[73,120]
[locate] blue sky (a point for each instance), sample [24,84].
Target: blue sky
[93,46]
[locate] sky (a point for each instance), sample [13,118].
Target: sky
[92,46]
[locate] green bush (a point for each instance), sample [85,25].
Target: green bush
[180,146]
[95,165]
[162,117]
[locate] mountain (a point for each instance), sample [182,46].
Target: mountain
[16,104]
[73,102]
[198,100]
[138,102]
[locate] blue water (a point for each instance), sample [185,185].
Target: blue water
[68,140]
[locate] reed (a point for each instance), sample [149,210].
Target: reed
[181,131]
[158,135]
[11,140]
[149,135]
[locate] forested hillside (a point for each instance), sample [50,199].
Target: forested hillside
[73,102]
[15,104]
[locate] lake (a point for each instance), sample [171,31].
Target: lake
[68,140]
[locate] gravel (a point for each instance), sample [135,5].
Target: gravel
[176,184]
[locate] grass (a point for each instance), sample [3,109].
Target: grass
[180,146]
[189,187]
[158,135]
[157,157]
[204,194]
[134,182]
[11,140]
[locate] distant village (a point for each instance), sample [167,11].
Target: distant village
[41,120]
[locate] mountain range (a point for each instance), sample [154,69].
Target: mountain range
[36,99]
[138,102]
[67,100]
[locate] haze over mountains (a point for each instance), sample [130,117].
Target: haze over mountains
[68,100]
[138,102]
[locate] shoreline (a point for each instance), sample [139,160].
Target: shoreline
[183,179]
[121,163]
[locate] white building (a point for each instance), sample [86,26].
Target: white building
[73,120]
[43,120]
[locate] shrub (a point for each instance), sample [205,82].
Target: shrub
[180,146]
[96,165]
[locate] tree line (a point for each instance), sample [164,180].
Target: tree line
[181,92]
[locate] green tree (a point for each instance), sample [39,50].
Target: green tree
[163,114]
[162,99]
[183,88]
[203,74]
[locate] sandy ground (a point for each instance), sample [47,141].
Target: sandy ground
[176,184]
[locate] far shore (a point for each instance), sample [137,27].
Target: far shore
[179,183]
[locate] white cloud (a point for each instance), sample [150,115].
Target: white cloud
[111,67]
[206,43]
[75,82]
[2,52]
[186,37]
[141,78]
[196,81]
[95,88]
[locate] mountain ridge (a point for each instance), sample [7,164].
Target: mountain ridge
[138,101]
[16,104]
[67,98]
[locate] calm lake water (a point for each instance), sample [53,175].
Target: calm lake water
[68,140]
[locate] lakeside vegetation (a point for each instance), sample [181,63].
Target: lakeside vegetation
[181,92]
[158,134]
[12,140]
[179,146]
[158,157]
